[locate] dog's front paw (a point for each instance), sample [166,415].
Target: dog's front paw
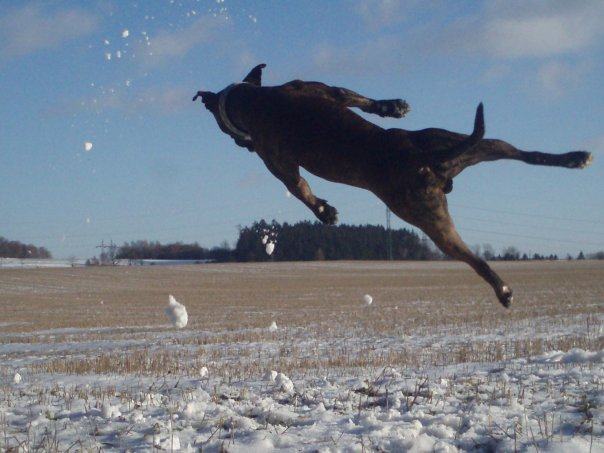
[327,214]
[395,108]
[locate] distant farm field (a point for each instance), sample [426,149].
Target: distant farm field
[429,322]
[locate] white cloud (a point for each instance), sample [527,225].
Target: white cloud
[158,99]
[168,45]
[526,29]
[379,13]
[556,77]
[595,144]
[546,33]
[376,56]
[31,28]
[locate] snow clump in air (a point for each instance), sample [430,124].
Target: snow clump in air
[273,327]
[367,299]
[269,239]
[177,313]
[125,33]
[17,378]
[270,248]
[87,146]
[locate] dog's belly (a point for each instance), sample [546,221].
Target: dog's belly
[336,167]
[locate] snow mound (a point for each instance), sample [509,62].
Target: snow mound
[108,411]
[194,410]
[177,313]
[171,443]
[273,327]
[367,299]
[284,383]
[271,375]
[573,356]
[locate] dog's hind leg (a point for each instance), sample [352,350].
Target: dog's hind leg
[289,174]
[396,108]
[491,149]
[429,213]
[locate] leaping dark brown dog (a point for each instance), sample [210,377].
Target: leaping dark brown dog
[310,125]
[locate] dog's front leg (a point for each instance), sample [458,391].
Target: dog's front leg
[396,108]
[289,174]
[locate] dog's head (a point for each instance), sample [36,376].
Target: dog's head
[211,101]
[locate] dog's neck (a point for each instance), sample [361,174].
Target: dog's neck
[224,116]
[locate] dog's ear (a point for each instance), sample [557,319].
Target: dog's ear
[255,75]
[209,99]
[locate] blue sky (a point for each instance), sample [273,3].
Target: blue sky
[160,169]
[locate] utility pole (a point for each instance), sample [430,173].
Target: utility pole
[389,234]
[110,256]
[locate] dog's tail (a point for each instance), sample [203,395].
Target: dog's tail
[470,142]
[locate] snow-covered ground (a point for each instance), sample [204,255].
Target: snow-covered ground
[551,402]
[343,376]
[11,263]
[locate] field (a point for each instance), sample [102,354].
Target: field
[433,364]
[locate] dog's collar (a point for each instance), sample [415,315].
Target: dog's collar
[225,118]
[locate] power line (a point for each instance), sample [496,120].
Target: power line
[525,214]
[547,227]
[540,238]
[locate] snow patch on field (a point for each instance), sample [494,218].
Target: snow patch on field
[502,407]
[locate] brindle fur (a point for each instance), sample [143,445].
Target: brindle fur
[310,125]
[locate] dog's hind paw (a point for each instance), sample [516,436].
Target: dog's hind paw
[327,214]
[395,108]
[578,159]
[505,296]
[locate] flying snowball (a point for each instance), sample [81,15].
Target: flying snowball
[125,33]
[17,378]
[270,247]
[203,371]
[177,313]
[264,239]
[87,146]
[273,327]
[368,299]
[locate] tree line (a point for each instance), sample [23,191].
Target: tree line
[302,241]
[308,241]
[16,249]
